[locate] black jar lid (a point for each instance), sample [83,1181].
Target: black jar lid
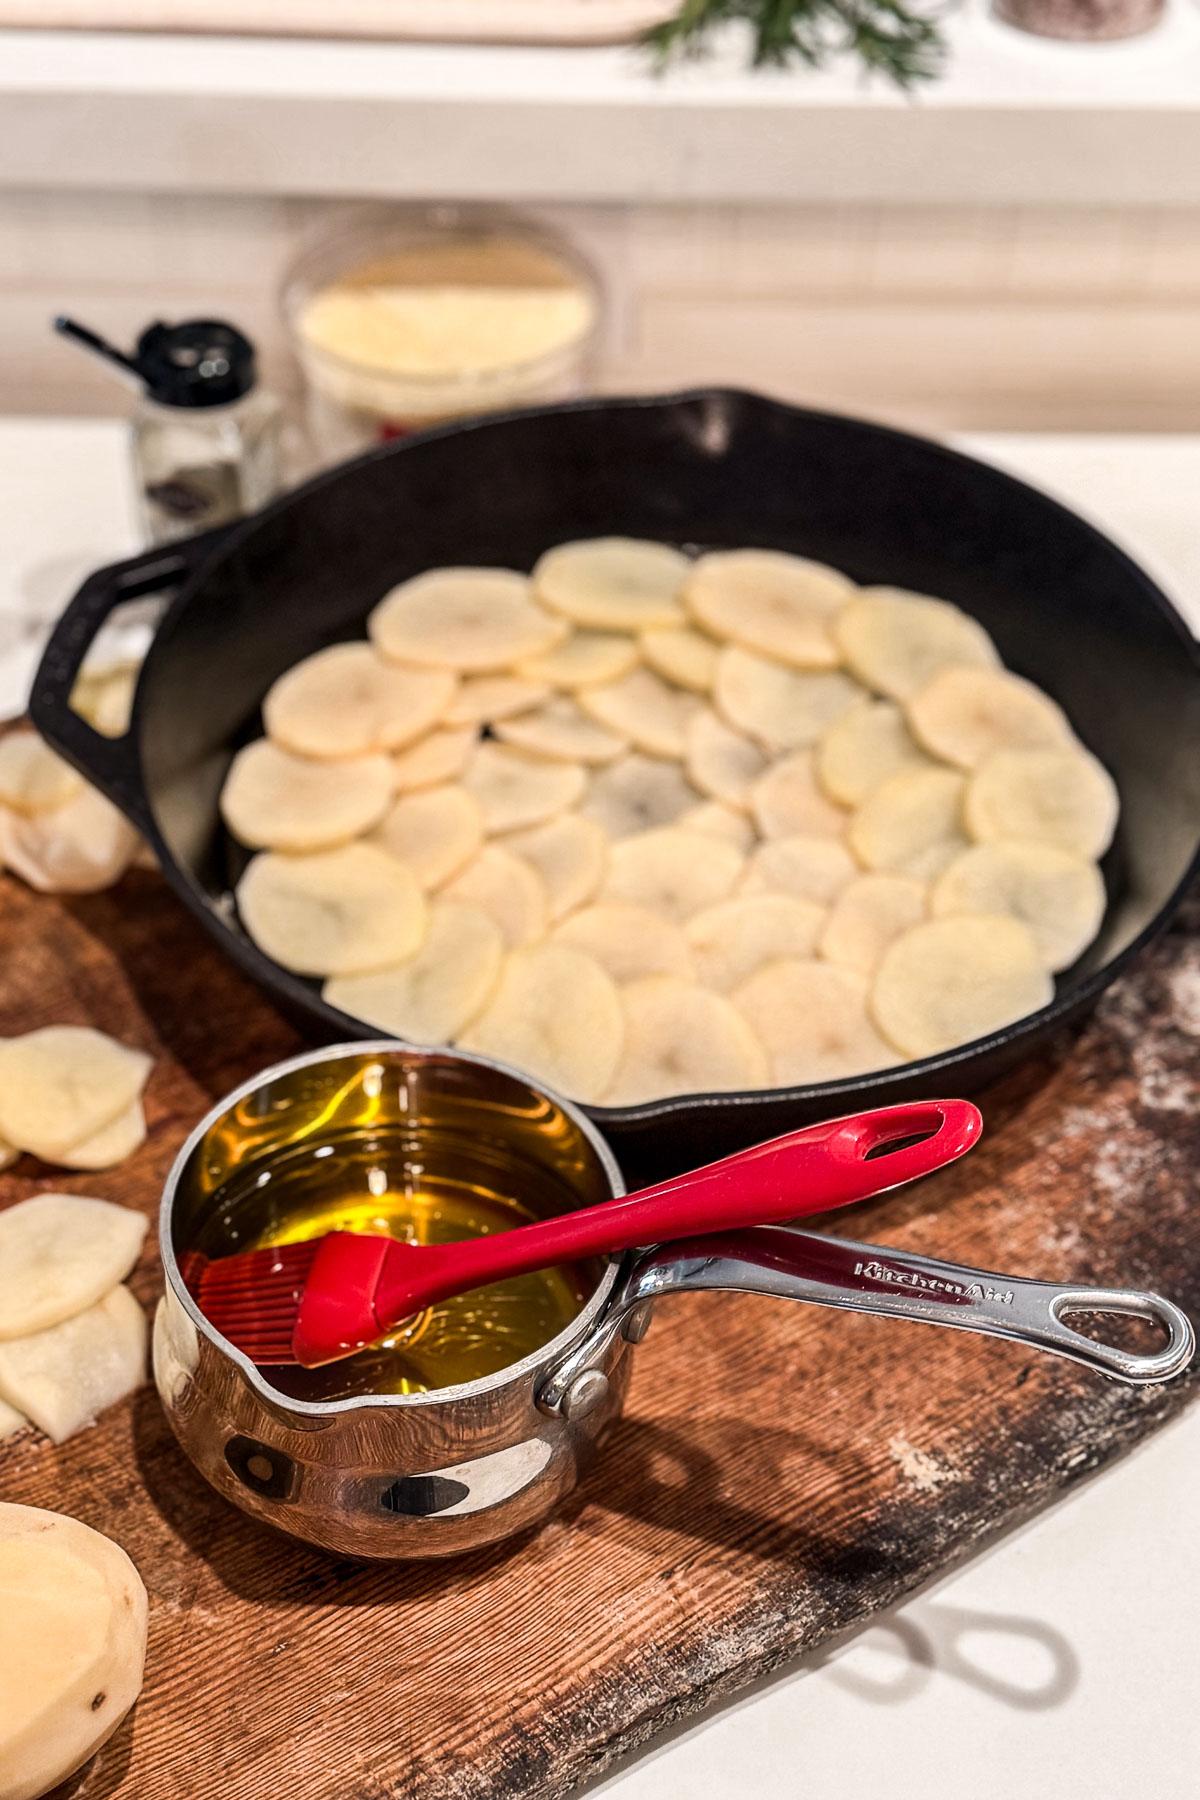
[199,362]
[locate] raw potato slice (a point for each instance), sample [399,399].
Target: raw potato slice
[64,1377]
[1060,797]
[644,710]
[948,981]
[628,941]
[468,619]
[682,1039]
[735,937]
[438,757]
[715,819]
[808,868]
[867,915]
[813,1019]
[64,1083]
[563,730]
[273,800]
[72,1648]
[433,833]
[720,761]
[965,715]
[339,912]
[431,997]
[508,890]
[681,655]
[582,660]
[104,697]
[571,856]
[1059,896]
[11,1421]
[114,1144]
[557,1015]
[895,641]
[513,789]
[863,748]
[779,604]
[639,793]
[911,824]
[788,802]
[485,698]
[347,701]
[782,709]
[59,1254]
[672,872]
[613,583]
[79,848]
[32,778]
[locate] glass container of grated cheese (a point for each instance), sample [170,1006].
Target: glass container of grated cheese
[406,317]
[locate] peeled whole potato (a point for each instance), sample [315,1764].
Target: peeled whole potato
[72,1646]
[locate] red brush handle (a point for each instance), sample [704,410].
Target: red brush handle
[789,1177]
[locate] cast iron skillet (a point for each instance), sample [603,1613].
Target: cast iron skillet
[1064,605]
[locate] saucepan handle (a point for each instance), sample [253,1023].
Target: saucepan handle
[110,763]
[869,1278]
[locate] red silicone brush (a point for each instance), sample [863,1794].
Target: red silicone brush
[316,1302]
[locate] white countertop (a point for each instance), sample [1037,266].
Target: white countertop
[1061,1660]
[1014,119]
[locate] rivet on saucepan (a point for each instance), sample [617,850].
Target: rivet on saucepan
[637,1323]
[585,1394]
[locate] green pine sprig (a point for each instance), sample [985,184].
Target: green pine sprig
[889,37]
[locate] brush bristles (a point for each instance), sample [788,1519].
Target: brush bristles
[253,1298]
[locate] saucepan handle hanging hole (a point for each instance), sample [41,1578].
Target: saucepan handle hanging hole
[1113,1359]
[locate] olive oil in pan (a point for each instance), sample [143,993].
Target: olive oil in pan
[422,1192]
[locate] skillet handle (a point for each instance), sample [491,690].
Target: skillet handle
[109,763]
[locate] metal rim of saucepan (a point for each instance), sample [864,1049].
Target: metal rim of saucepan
[541,1359]
[887,1084]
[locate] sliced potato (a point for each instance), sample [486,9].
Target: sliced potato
[730,940]
[682,1039]
[638,793]
[715,819]
[430,998]
[508,889]
[338,912]
[613,583]
[780,708]
[644,710]
[964,715]
[778,604]
[8,1154]
[111,1145]
[813,1019]
[561,729]
[869,743]
[672,872]
[347,702]
[949,981]
[81,847]
[63,1083]
[434,833]
[104,697]
[556,1014]
[32,778]
[911,824]
[1057,894]
[484,699]
[273,800]
[571,856]
[64,1377]
[788,801]
[438,756]
[628,941]
[466,619]
[514,789]
[721,762]
[59,1254]
[868,913]
[808,868]
[681,655]
[1060,797]
[583,659]
[895,641]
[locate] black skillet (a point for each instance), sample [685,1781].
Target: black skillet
[1065,606]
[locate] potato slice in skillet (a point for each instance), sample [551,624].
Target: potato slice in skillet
[911,824]
[1060,797]
[813,1019]
[346,701]
[483,699]
[273,800]
[33,779]
[895,641]
[556,1014]
[771,602]
[514,789]
[434,833]
[1057,894]
[732,939]
[582,660]
[713,818]
[337,912]
[431,997]
[948,981]
[721,762]
[473,620]
[780,708]
[859,752]
[508,889]
[682,656]
[59,1254]
[682,1039]
[788,801]
[964,715]
[672,872]
[562,730]
[613,583]
[62,1084]
[808,868]
[867,914]
[628,941]
[570,854]
[643,709]
[637,793]
[439,756]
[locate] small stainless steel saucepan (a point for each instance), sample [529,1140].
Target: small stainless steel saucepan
[434,1474]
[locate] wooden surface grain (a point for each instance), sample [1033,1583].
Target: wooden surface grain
[780,1474]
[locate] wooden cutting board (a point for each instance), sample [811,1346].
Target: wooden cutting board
[781,1473]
